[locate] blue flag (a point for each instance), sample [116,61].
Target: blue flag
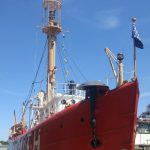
[135,35]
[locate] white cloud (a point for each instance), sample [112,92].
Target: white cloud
[107,19]
[145,94]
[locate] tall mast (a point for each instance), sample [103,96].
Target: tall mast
[52,27]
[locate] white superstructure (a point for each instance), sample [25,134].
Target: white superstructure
[143,129]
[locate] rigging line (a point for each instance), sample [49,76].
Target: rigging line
[32,85]
[31,89]
[73,72]
[61,63]
[39,81]
[69,65]
[66,54]
[63,56]
[73,62]
[63,53]
[83,76]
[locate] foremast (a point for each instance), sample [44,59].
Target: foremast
[52,27]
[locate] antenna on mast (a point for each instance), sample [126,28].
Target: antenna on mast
[52,27]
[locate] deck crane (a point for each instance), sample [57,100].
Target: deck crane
[111,56]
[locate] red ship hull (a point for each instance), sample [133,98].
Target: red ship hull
[70,129]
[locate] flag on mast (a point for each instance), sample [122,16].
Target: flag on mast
[136,38]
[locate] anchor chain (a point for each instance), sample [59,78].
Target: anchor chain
[91,93]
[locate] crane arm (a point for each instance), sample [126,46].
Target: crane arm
[111,56]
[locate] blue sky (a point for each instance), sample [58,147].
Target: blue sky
[89,26]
